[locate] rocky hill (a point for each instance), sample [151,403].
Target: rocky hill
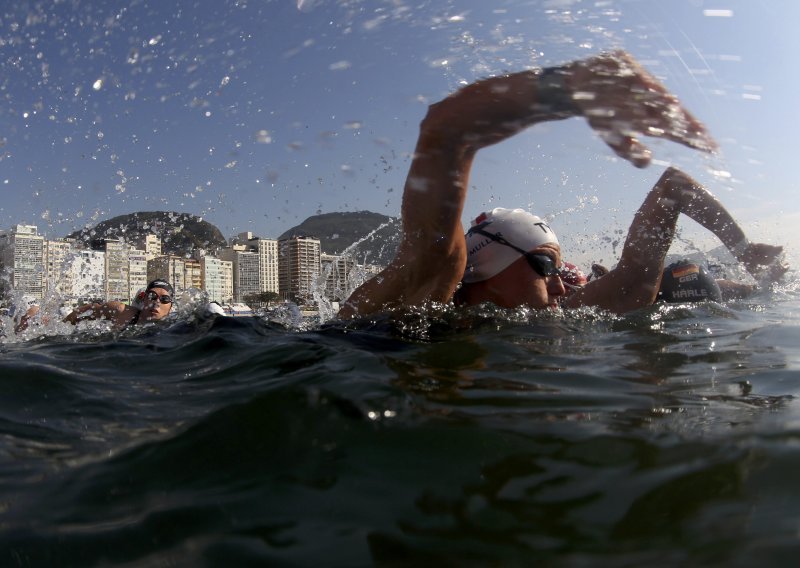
[181,233]
[371,238]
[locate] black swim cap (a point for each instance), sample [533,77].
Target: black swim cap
[686,281]
[161,284]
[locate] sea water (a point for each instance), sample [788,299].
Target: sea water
[452,438]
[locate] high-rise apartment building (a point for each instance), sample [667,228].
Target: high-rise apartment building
[137,271]
[217,279]
[151,244]
[22,252]
[193,273]
[298,268]
[117,270]
[86,273]
[57,254]
[245,271]
[336,270]
[267,251]
[181,272]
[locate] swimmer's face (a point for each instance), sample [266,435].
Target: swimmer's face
[155,305]
[521,285]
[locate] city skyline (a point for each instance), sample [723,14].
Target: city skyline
[249,267]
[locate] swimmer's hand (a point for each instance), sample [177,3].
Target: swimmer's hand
[622,101]
[765,262]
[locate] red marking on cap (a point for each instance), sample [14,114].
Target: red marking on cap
[685,270]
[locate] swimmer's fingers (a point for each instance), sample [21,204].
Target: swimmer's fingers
[761,254]
[626,146]
[669,120]
[623,102]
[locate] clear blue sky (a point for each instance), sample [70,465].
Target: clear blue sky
[256,114]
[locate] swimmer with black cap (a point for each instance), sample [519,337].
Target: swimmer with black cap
[638,275]
[151,305]
[686,281]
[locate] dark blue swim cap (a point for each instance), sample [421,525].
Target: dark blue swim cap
[685,281]
[161,284]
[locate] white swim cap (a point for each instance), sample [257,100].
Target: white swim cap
[486,257]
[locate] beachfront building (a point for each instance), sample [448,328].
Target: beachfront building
[167,267]
[137,271]
[85,274]
[57,254]
[245,270]
[22,252]
[151,244]
[181,272]
[117,270]
[267,251]
[298,268]
[193,273]
[217,279]
[336,271]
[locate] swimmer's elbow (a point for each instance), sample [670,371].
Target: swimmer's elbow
[441,128]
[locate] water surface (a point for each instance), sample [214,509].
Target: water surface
[671,436]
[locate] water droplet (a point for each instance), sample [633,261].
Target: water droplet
[718,13]
[339,66]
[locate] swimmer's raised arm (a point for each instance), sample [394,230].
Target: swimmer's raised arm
[620,100]
[635,281]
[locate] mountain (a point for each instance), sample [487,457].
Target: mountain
[181,233]
[371,238]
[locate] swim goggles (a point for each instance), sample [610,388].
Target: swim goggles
[164,298]
[542,264]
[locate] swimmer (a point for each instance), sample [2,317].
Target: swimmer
[23,313]
[651,233]
[618,98]
[686,281]
[154,304]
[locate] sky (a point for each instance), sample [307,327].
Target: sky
[256,114]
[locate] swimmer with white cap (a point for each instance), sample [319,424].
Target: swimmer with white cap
[513,259]
[626,103]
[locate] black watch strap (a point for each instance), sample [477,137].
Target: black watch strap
[553,94]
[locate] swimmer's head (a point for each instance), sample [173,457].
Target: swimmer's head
[139,298]
[686,281]
[572,277]
[487,256]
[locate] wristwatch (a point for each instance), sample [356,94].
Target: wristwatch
[553,94]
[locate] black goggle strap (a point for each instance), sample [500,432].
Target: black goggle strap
[532,259]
